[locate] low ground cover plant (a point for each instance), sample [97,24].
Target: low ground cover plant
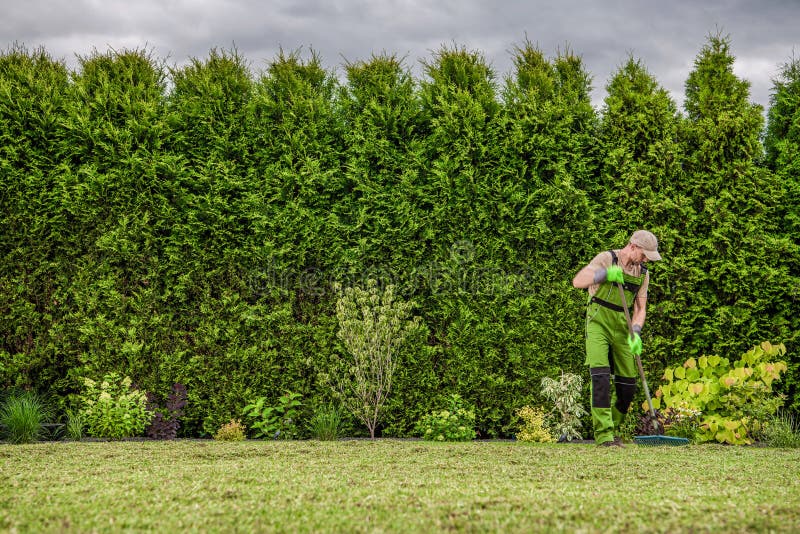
[454,423]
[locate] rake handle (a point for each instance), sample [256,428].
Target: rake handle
[636,356]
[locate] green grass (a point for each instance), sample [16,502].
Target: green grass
[397,486]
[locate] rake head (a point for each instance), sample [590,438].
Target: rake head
[654,441]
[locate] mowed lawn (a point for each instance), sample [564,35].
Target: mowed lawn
[395,486]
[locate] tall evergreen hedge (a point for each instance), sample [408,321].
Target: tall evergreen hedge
[189,224]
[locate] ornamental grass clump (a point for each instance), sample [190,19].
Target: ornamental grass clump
[326,423]
[75,425]
[782,431]
[23,416]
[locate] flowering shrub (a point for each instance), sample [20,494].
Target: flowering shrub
[457,423]
[112,409]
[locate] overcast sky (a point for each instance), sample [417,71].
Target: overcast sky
[666,35]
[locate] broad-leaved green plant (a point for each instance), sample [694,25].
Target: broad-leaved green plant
[277,421]
[733,400]
[456,423]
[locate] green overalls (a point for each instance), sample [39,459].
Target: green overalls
[607,354]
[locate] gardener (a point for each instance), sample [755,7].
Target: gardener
[610,348]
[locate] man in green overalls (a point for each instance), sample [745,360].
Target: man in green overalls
[610,348]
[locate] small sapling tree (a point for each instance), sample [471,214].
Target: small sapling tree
[373,324]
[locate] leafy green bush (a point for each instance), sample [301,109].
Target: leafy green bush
[534,427]
[22,416]
[112,409]
[231,431]
[733,401]
[278,421]
[565,394]
[326,423]
[456,423]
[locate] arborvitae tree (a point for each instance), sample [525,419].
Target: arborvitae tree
[207,103]
[782,141]
[783,158]
[460,109]
[640,185]
[297,162]
[295,238]
[465,278]
[207,113]
[730,289]
[33,88]
[549,147]
[219,330]
[380,111]
[381,217]
[117,200]
[548,158]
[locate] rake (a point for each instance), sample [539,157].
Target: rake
[657,438]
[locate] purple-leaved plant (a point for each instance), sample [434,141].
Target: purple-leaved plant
[166,421]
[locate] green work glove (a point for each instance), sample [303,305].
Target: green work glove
[614,274]
[635,343]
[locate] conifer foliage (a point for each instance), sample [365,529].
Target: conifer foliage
[187,224]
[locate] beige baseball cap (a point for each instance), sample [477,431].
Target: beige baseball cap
[647,242]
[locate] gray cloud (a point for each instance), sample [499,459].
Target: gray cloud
[666,36]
